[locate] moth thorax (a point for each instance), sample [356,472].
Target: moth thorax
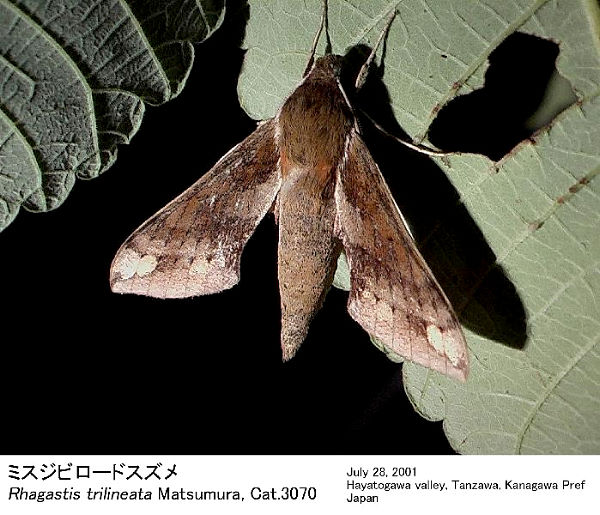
[314,124]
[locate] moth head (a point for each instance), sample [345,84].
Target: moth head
[327,66]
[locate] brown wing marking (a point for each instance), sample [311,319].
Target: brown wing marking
[394,295]
[194,244]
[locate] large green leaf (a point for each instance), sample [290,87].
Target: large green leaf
[538,208]
[74,79]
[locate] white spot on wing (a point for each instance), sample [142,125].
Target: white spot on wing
[436,338]
[146,265]
[452,350]
[127,264]
[443,343]
[131,263]
[199,266]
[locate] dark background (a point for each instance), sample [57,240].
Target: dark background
[89,371]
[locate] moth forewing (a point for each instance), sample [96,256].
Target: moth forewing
[393,293]
[193,245]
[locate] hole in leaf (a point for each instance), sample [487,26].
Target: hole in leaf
[522,92]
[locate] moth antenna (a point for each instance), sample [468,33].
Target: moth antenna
[419,148]
[324,24]
[362,78]
[364,70]
[327,38]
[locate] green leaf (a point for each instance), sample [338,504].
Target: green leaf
[75,77]
[534,390]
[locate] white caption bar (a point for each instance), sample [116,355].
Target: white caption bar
[268,484]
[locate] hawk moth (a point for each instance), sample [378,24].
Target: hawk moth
[311,167]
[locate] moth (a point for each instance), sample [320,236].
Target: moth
[311,167]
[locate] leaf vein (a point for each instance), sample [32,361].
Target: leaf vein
[549,390]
